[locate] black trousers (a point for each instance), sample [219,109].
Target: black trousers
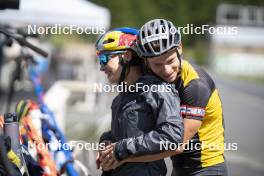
[216,170]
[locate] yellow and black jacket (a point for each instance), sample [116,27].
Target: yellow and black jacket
[200,101]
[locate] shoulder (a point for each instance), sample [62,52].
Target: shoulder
[150,79]
[157,90]
[197,85]
[196,93]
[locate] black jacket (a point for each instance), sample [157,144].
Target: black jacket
[141,121]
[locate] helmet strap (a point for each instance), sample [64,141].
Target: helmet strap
[123,71]
[180,60]
[125,66]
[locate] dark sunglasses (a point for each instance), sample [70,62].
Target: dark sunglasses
[105,57]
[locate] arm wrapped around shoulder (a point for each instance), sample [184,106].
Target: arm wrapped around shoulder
[168,130]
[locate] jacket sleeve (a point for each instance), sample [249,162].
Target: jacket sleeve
[168,129]
[195,98]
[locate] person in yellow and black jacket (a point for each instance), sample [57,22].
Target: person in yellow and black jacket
[159,43]
[200,101]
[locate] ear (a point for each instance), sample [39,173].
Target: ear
[147,68]
[127,56]
[180,49]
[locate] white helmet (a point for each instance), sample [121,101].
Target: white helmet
[157,37]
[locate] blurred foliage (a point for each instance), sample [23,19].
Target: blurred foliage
[63,39]
[134,13]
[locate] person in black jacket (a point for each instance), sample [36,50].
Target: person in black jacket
[144,117]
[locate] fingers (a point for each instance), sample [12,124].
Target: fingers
[104,153]
[108,160]
[98,161]
[101,156]
[98,156]
[107,169]
[108,166]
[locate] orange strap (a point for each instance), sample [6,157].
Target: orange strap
[45,160]
[1,121]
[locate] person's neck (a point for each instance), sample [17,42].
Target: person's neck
[133,75]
